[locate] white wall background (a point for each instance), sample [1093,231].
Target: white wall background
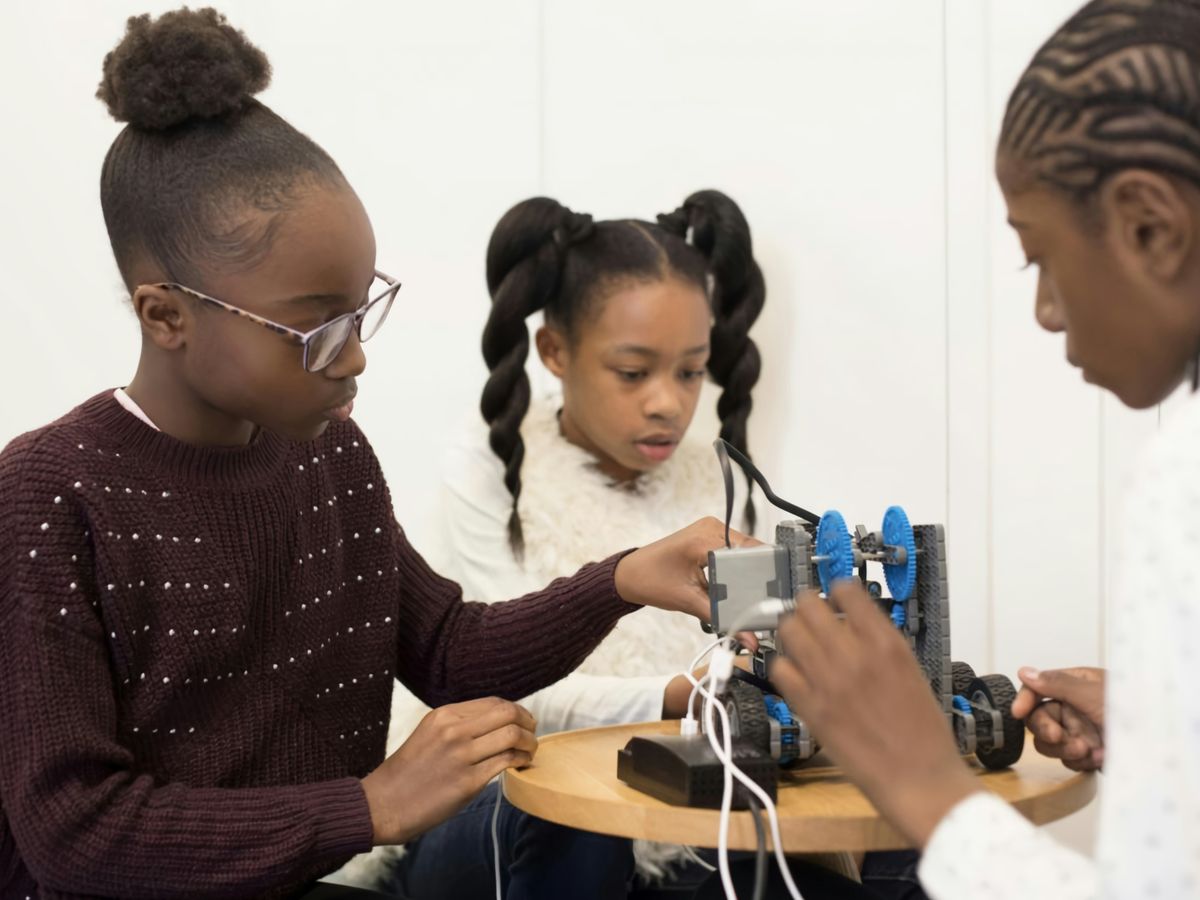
[902,364]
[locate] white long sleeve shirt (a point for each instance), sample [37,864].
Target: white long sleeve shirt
[571,513]
[1149,839]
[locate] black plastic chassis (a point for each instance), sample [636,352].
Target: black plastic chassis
[740,578]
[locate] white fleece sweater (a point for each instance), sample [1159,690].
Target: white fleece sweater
[571,514]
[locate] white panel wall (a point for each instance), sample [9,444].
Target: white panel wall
[432,111]
[902,364]
[794,111]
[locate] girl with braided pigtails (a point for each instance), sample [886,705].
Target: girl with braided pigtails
[636,315]
[583,276]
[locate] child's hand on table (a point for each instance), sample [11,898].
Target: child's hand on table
[450,757]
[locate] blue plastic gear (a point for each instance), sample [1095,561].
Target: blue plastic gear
[897,532]
[834,543]
[961,704]
[899,615]
[778,710]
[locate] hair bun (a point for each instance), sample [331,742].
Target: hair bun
[186,64]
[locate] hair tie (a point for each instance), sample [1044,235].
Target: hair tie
[575,228]
[676,222]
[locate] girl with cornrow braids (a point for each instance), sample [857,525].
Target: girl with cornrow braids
[1099,163]
[636,314]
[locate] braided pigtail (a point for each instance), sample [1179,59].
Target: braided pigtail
[718,229]
[525,259]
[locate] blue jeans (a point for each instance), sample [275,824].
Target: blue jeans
[892,875]
[538,859]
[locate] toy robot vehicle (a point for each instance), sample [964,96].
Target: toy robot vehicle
[814,552]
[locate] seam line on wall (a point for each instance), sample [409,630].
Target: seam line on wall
[541,88]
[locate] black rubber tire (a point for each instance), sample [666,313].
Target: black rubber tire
[747,714]
[961,676]
[999,693]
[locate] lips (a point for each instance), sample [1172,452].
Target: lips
[341,412]
[657,448]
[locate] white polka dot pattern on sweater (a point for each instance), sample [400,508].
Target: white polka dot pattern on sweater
[198,703]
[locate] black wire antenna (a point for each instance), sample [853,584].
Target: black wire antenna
[725,450]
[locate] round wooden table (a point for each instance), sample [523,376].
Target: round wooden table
[573,781]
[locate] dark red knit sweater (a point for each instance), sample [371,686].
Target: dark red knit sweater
[197,649]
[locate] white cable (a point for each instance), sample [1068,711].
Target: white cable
[496,838]
[726,794]
[772,605]
[725,754]
[696,660]
[763,798]
[690,853]
[686,726]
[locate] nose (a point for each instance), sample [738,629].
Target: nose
[350,362]
[1047,309]
[664,400]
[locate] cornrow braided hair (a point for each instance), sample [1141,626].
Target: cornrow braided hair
[544,257]
[1117,87]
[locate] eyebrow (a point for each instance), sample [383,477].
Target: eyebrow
[319,301]
[312,300]
[638,350]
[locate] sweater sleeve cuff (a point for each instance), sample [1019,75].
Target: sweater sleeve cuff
[1021,859]
[611,564]
[597,582]
[343,820]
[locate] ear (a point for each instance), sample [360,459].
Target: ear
[1152,221]
[552,347]
[163,315]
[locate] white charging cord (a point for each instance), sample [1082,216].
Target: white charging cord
[496,837]
[690,853]
[725,754]
[720,670]
[690,719]
[688,725]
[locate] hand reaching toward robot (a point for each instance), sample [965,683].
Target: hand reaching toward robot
[861,690]
[669,574]
[879,690]
[1064,711]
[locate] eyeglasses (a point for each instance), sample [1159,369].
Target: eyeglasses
[323,344]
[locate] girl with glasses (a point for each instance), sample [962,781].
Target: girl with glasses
[206,596]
